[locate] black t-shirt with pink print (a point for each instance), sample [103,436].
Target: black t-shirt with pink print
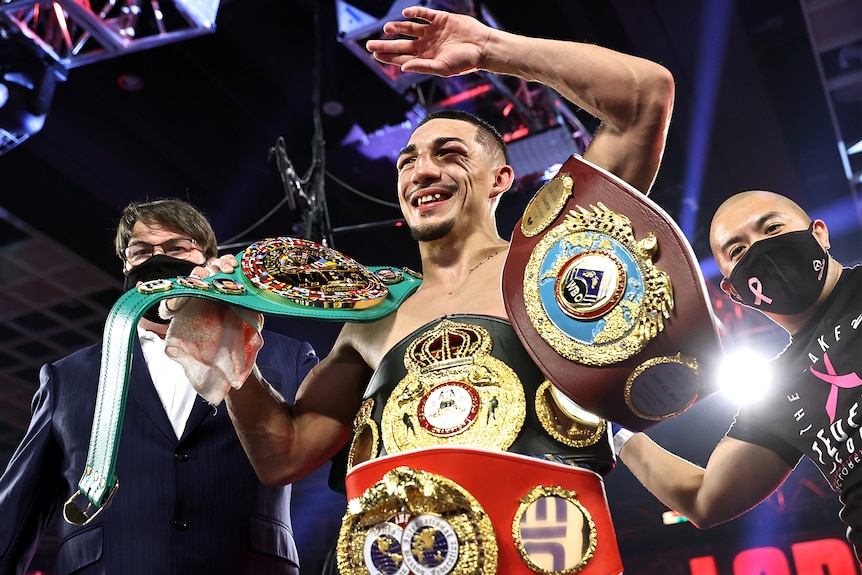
[814,405]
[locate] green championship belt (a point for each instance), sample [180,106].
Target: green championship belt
[279,276]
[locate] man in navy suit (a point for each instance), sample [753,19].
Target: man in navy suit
[189,502]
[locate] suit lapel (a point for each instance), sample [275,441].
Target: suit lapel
[200,411]
[143,392]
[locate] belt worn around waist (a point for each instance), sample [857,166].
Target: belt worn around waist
[460,511]
[257,285]
[501,399]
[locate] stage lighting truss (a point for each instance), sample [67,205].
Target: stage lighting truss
[836,40]
[527,114]
[41,41]
[79,32]
[355,27]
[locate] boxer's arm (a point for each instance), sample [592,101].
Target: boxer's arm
[633,97]
[738,476]
[284,442]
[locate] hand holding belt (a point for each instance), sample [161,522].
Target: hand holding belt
[279,276]
[605,292]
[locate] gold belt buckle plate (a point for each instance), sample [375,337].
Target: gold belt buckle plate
[310,274]
[455,393]
[413,521]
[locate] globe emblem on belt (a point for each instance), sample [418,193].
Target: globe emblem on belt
[422,545]
[382,550]
[429,545]
[590,284]
[591,289]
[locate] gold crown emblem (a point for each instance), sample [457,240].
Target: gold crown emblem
[448,344]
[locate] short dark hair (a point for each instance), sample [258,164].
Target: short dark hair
[488,135]
[169,212]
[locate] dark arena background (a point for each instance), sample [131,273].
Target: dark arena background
[275,122]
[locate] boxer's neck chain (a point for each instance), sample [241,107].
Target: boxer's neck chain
[484,260]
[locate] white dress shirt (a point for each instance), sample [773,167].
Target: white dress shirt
[172,385]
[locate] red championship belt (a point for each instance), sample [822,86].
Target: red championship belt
[607,296]
[468,511]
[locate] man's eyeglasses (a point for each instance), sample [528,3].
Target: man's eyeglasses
[140,252]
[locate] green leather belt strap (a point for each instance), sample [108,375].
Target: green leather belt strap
[340,290]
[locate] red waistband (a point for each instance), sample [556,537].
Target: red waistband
[517,515]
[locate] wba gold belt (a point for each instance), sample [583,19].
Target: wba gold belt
[454,387]
[464,511]
[466,380]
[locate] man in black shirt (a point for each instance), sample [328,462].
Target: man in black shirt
[774,259]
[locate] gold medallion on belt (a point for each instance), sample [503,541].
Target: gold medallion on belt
[554,532]
[454,393]
[312,275]
[366,436]
[566,421]
[417,522]
[591,289]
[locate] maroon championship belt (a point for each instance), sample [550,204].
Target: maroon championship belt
[607,296]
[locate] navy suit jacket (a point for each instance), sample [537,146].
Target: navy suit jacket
[184,507]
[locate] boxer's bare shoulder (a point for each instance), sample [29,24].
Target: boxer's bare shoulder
[479,295]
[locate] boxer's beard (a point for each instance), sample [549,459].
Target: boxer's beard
[432,232]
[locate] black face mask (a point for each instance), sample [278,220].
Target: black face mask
[784,274]
[157,267]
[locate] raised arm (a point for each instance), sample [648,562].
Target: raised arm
[738,476]
[632,97]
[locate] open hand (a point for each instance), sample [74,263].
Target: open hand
[446,44]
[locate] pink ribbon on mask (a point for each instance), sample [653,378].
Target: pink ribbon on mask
[836,381]
[755,286]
